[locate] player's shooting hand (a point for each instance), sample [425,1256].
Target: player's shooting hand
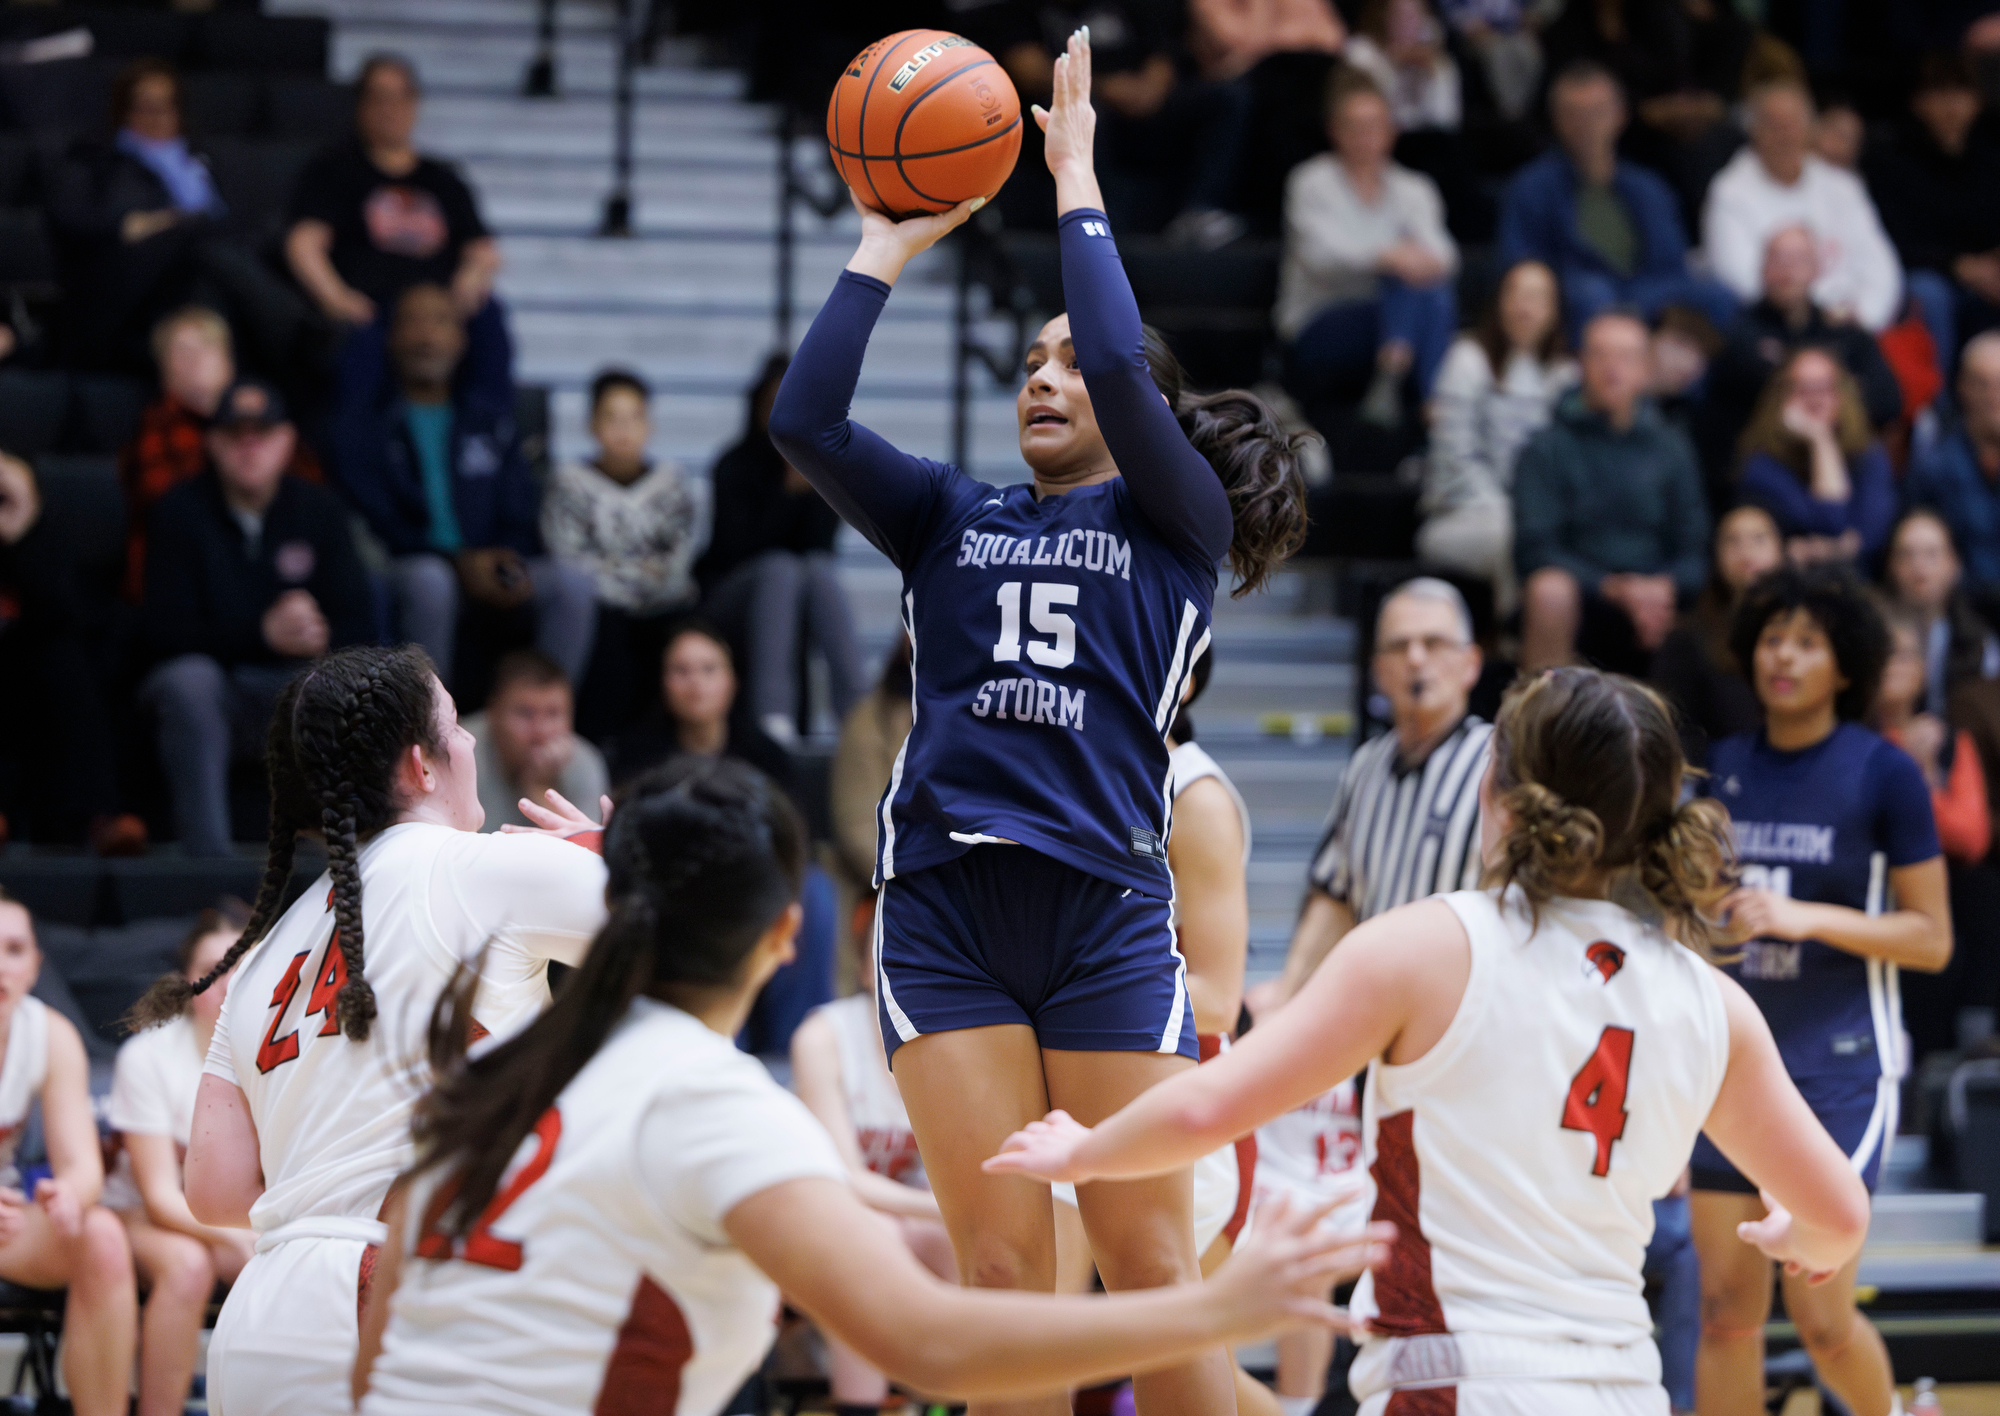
[560,818]
[1285,1265]
[1043,1150]
[887,245]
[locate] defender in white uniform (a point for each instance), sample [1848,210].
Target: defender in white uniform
[625,1253]
[1540,1062]
[303,1117]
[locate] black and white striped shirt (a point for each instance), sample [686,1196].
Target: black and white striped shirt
[1398,833]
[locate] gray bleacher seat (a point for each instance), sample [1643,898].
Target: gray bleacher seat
[81,497]
[264,44]
[61,889]
[103,971]
[308,109]
[34,404]
[104,411]
[125,33]
[222,104]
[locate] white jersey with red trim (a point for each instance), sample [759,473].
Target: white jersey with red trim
[601,1278]
[333,1115]
[1520,1156]
[1312,1154]
[874,1104]
[23,1069]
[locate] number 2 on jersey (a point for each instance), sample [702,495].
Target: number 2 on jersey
[1596,1101]
[330,978]
[482,1245]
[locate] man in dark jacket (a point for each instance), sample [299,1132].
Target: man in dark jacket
[440,478]
[1610,528]
[1610,230]
[250,575]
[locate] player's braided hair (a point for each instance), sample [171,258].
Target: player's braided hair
[1257,460]
[704,856]
[1588,767]
[336,735]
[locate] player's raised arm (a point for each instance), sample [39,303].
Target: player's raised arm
[881,492]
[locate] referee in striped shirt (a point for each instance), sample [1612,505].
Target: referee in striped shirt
[1405,822]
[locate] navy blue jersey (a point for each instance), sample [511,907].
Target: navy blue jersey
[1826,824]
[1051,636]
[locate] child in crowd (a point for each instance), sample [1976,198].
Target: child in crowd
[634,524]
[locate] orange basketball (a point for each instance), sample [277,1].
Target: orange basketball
[922,121]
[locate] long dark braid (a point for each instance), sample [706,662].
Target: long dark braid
[703,856]
[336,735]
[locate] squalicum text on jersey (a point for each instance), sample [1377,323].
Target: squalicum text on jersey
[1081,549]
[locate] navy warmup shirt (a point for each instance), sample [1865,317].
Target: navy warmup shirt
[1051,636]
[1826,824]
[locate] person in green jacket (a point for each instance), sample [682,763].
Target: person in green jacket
[1610,526]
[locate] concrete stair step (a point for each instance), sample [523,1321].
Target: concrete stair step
[1935,1218]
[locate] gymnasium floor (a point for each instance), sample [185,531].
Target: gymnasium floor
[1982,1399]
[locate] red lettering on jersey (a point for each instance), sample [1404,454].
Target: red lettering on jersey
[1423,1401]
[653,1348]
[1404,1290]
[1605,958]
[276,1051]
[326,990]
[1596,1101]
[482,1245]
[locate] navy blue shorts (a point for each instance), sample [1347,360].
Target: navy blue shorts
[1005,934]
[1858,1112]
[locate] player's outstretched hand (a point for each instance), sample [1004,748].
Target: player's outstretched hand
[561,818]
[887,245]
[1044,1150]
[1069,123]
[1773,1234]
[1286,1264]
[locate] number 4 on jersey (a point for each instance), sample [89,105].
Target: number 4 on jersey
[1596,1101]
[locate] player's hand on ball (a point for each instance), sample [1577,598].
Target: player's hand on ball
[1774,1236]
[1069,123]
[1045,1149]
[887,245]
[1286,1264]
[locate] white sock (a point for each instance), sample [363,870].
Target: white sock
[1895,1403]
[1297,1405]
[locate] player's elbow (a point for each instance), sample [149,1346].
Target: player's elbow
[1937,948]
[795,426]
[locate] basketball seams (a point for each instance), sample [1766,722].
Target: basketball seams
[903,197]
[934,152]
[896,146]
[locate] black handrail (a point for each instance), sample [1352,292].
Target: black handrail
[793,189]
[540,79]
[633,19]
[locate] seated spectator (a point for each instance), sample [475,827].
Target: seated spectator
[1510,55]
[437,472]
[1810,460]
[61,1237]
[372,216]
[1495,391]
[1695,668]
[1777,182]
[152,1111]
[1229,38]
[1609,229]
[770,579]
[140,231]
[57,662]
[1838,135]
[1959,472]
[1922,578]
[1950,760]
[1400,45]
[196,358]
[697,713]
[634,525]
[1365,291]
[250,575]
[1610,530]
[1783,320]
[1937,183]
[526,743]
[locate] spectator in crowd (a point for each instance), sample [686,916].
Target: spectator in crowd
[1838,136]
[1937,184]
[1500,36]
[55,661]
[634,525]
[1950,760]
[697,713]
[1959,473]
[250,575]
[1695,668]
[1610,529]
[1400,45]
[152,1110]
[1229,38]
[1784,319]
[62,1238]
[437,471]
[1922,579]
[1365,290]
[1810,460]
[372,216]
[141,230]
[870,737]
[1496,389]
[1777,182]
[1609,229]
[196,359]
[526,742]
[769,577]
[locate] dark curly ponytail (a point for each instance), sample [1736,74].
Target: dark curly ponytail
[1588,767]
[703,857]
[1257,460]
[336,735]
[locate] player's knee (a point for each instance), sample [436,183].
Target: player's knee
[1733,1309]
[100,1254]
[1146,1261]
[1826,1335]
[999,1264]
[187,1274]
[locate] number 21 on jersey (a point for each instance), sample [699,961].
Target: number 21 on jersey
[1596,1101]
